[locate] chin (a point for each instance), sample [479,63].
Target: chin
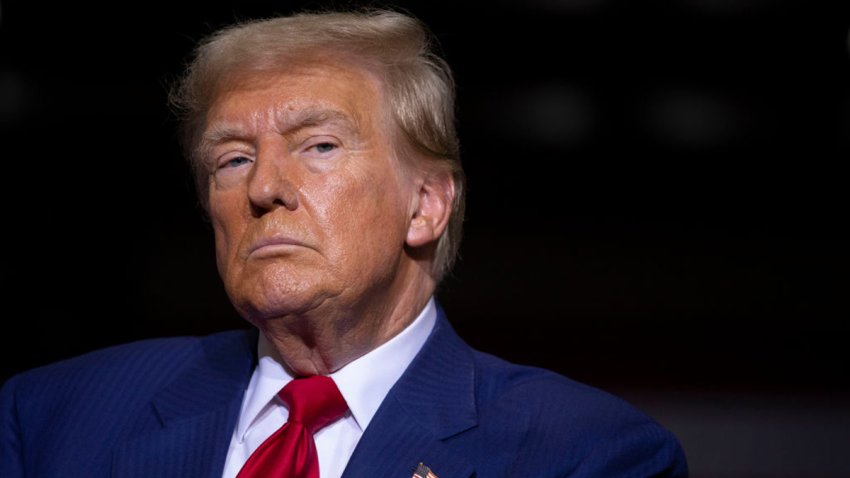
[266,297]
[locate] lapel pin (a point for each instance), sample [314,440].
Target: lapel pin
[423,471]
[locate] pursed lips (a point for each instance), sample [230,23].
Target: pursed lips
[273,243]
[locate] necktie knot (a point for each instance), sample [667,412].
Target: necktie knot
[291,451]
[313,401]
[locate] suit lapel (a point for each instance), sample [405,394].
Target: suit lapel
[433,400]
[196,414]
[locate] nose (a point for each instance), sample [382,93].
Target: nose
[270,185]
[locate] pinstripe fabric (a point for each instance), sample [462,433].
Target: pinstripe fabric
[167,408]
[433,399]
[464,413]
[198,413]
[182,450]
[127,410]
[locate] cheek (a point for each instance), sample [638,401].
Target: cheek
[371,215]
[224,225]
[220,252]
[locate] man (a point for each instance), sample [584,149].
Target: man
[326,156]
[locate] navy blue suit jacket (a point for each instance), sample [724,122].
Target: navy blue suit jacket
[167,408]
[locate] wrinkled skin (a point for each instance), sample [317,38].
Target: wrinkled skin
[319,228]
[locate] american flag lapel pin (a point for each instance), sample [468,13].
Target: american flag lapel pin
[423,471]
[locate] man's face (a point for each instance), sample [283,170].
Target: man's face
[307,200]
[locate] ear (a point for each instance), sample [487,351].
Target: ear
[432,208]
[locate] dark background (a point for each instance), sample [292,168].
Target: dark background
[657,202]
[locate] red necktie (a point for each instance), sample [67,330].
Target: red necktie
[290,452]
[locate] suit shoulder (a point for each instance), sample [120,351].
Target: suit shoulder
[552,403]
[142,364]
[500,380]
[70,415]
[561,417]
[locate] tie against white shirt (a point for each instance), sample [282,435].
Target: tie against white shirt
[363,382]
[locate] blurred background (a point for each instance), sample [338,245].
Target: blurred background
[657,202]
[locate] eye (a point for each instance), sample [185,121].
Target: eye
[235,162]
[324,147]
[320,151]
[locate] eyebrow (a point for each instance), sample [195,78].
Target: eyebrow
[291,122]
[309,117]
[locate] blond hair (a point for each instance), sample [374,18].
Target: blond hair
[418,83]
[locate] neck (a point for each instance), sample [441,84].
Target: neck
[324,339]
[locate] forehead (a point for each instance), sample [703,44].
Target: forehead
[302,93]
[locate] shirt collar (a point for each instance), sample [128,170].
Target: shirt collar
[363,382]
[366,381]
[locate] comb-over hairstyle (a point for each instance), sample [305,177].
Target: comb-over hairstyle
[396,47]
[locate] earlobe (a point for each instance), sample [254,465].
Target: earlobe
[433,209]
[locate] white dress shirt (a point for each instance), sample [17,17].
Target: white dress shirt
[363,383]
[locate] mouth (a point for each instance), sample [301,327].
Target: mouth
[274,245]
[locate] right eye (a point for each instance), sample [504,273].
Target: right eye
[231,169]
[235,162]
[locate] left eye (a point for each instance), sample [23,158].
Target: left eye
[324,147]
[236,162]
